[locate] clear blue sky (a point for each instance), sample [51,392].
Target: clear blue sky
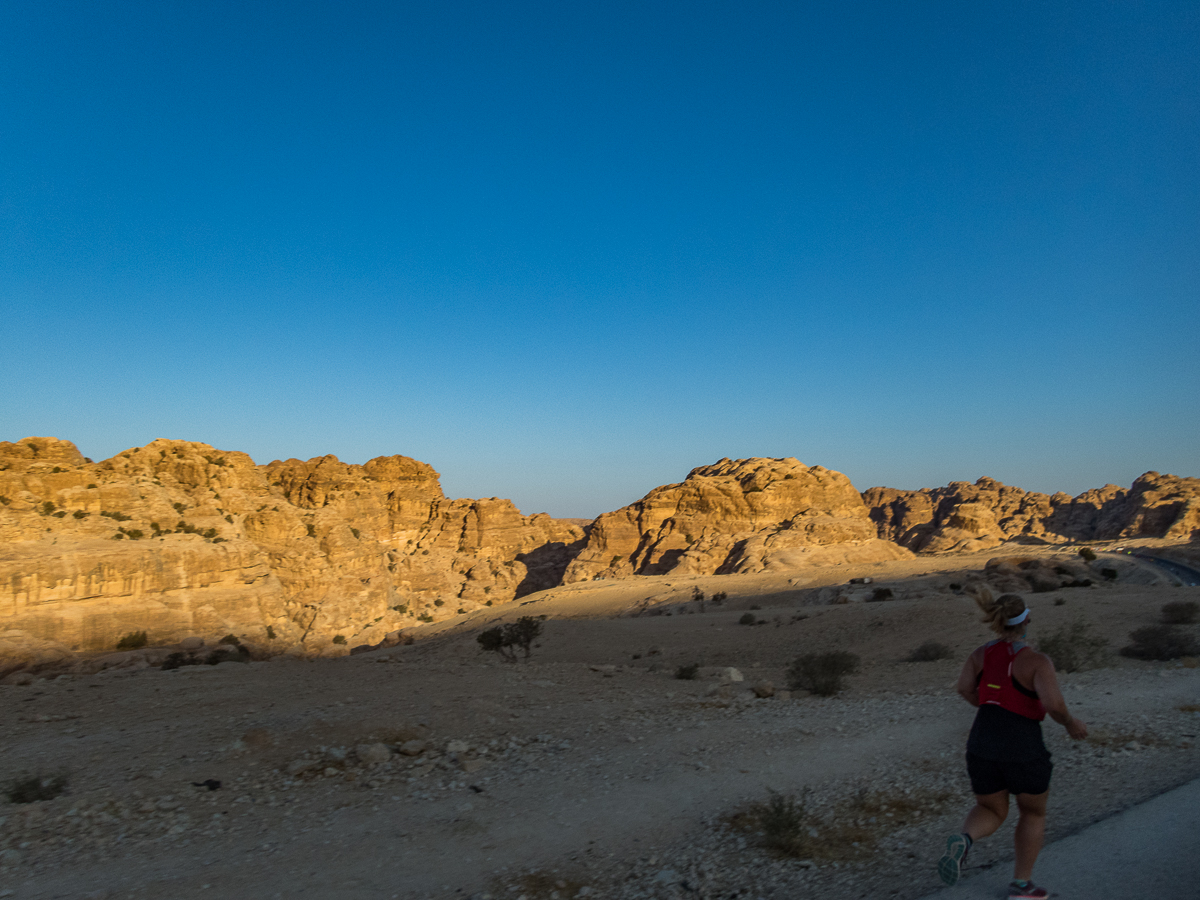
[565,252]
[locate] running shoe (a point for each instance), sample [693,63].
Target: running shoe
[1029,892]
[950,865]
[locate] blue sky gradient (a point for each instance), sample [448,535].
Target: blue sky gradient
[567,252]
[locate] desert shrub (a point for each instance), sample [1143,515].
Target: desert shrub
[118,536]
[135,640]
[339,639]
[720,597]
[1073,647]
[1180,612]
[231,639]
[60,514]
[1088,554]
[48,507]
[215,460]
[697,595]
[35,788]
[424,617]
[506,639]
[687,673]
[229,518]
[355,532]
[92,487]
[115,516]
[402,609]
[1109,574]
[4,501]
[312,530]
[270,633]
[747,619]
[784,824]
[879,595]
[1060,601]
[135,534]
[930,651]
[439,602]
[179,507]
[822,674]
[80,514]
[1160,642]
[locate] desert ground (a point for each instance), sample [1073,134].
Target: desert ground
[437,770]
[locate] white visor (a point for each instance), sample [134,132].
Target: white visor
[1017,620]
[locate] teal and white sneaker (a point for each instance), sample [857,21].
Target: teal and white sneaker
[950,866]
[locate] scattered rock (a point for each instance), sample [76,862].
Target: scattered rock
[191,644]
[300,766]
[11,857]
[731,675]
[414,747]
[373,754]
[763,689]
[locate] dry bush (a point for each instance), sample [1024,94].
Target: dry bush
[687,673]
[35,788]
[1180,612]
[1116,739]
[1073,647]
[537,885]
[135,640]
[1161,642]
[929,652]
[822,674]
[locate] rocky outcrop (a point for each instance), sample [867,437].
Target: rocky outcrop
[179,538]
[746,515]
[969,517]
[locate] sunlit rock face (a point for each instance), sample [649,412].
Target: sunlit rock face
[963,516]
[746,515]
[179,538]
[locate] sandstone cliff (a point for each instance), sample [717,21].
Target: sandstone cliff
[966,517]
[179,538]
[746,515]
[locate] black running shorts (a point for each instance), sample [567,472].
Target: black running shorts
[989,776]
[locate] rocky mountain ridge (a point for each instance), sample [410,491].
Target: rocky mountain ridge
[178,538]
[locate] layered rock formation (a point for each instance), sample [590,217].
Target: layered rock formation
[968,517]
[746,515]
[177,538]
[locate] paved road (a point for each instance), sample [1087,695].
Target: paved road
[1151,850]
[1185,574]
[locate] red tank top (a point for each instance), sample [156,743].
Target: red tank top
[996,684]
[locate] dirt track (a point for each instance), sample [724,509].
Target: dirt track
[621,780]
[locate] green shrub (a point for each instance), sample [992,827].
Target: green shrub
[60,514]
[1180,612]
[4,501]
[270,633]
[1074,648]
[339,639]
[687,673]
[402,609]
[56,470]
[92,487]
[134,534]
[1161,642]
[1109,574]
[783,822]
[930,651]
[424,617]
[697,595]
[1088,553]
[135,640]
[720,597]
[80,514]
[505,639]
[179,507]
[48,507]
[231,639]
[439,602]
[116,516]
[35,788]
[822,674]
[312,530]
[355,532]
[747,619]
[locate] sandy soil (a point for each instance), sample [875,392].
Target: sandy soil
[588,769]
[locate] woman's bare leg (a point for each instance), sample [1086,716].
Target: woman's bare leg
[988,814]
[1031,830]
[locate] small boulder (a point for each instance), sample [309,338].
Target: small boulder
[372,754]
[457,747]
[21,679]
[191,644]
[414,747]
[763,689]
[471,766]
[731,674]
[300,766]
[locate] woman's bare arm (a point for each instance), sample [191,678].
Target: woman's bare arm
[1045,682]
[968,678]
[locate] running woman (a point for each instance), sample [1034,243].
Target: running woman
[1014,687]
